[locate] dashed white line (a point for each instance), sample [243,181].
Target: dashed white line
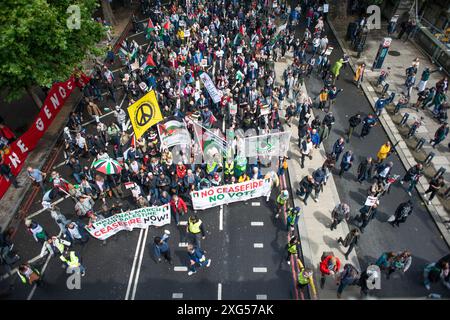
[43,209]
[258,245]
[256,204]
[183,223]
[178,268]
[219,291]
[221,218]
[257,224]
[177,296]
[261,297]
[182,244]
[259,269]
[30,296]
[135,34]
[136,255]
[138,271]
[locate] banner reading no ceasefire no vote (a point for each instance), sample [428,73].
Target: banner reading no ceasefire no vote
[217,196]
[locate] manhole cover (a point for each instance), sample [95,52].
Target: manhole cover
[394,53]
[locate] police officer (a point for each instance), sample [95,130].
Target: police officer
[29,274]
[196,230]
[229,169]
[292,249]
[292,218]
[72,261]
[305,278]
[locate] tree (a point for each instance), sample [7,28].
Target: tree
[37,46]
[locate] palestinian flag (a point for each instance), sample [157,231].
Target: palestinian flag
[237,40]
[133,141]
[134,52]
[149,63]
[173,132]
[167,25]
[150,28]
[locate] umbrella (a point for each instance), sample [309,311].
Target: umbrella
[107,166]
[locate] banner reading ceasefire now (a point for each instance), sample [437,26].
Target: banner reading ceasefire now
[19,149]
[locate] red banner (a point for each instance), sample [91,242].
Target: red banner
[19,149]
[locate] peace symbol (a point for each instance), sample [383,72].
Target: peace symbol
[144,114]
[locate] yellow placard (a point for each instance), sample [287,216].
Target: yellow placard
[144,113]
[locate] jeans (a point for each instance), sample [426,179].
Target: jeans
[201,264]
[77,177]
[176,216]
[195,239]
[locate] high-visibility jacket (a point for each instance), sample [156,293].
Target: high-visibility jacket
[23,278]
[323,96]
[292,215]
[302,279]
[383,152]
[281,200]
[210,167]
[194,227]
[292,248]
[229,168]
[74,262]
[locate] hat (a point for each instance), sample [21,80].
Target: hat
[285,193]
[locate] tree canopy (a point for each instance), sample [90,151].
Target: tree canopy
[36,45]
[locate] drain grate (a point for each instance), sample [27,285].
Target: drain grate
[394,53]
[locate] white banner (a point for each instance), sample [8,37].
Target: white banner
[140,218]
[215,94]
[173,133]
[273,144]
[216,196]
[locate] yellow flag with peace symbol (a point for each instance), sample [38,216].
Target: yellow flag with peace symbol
[144,113]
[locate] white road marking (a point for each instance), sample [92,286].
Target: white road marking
[138,271]
[221,218]
[180,269]
[259,269]
[261,297]
[136,254]
[183,223]
[42,210]
[257,224]
[256,204]
[258,245]
[183,244]
[219,291]
[30,296]
[135,34]
[106,114]
[177,296]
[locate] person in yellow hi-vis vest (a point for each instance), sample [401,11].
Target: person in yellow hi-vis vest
[196,230]
[359,75]
[72,262]
[305,278]
[29,274]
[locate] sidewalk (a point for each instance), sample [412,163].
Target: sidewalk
[439,207]
[315,219]
[46,148]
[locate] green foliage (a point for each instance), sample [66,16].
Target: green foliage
[37,47]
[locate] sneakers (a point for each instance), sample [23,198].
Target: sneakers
[167,232]
[428,202]
[209,263]
[276,216]
[409,194]
[190,273]
[289,262]
[315,199]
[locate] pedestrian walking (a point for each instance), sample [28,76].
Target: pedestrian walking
[347,162]
[348,277]
[37,176]
[433,188]
[54,246]
[403,211]
[306,150]
[368,123]
[329,266]
[350,241]
[359,75]
[196,257]
[36,230]
[195,230]
[76,233]
[365,170]
[338,148]
[161,248]
[73,262]
[435,272]
[367,214]
[440,135]
[29,274]
[340,213]
[383,171]
[412,176]
[353,122]
[305,188]
[59,218]
[291,248]
[178,208]
[384,152]
[281,201]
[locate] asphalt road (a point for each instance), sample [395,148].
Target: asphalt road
[419,234]
[123,268]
